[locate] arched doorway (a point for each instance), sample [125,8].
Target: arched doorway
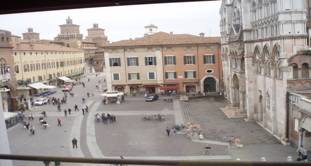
[209,85]
[236,91]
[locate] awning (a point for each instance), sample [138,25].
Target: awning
[66,79]
[150,85]
[306,124]
[169,87]
[40,85]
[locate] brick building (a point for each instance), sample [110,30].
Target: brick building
[160,62]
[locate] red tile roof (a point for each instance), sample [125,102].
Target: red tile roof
[163,38]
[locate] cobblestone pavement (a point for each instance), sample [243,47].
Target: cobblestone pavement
[257,141]
[132,136]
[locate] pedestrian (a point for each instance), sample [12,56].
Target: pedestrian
[69,111]
[65,112]
[76,107]
[168,131]
[32,130]
[86,108]
[74,143]
[59,122]
[82,111]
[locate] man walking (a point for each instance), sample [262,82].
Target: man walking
[69,111]
[168,131]
[59,122]
[76,108]
[65,112]
[74,143]
[86,108]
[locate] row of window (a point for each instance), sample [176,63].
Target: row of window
[152,75]
[45,52]
[48,65]
[53,75]
[168,60]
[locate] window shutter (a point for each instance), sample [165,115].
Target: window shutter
[175,75]
[137,62]
[174,60]
[185,60]
[155,60]
[138,76]
[166,75]
[194,74]
[186,74]
[110,61]
[129,76]
[213,57]
[146,63]
[128,61]
[193,59]
[165,60]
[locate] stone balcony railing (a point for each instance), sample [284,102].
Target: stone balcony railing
[301,101]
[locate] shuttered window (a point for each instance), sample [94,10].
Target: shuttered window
[189,59]
[170,60]
[150,61]
[209,59]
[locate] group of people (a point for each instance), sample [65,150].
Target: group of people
[105,118]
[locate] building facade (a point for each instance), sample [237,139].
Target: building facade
[164,62]
[36,62]
[7,75]
[258,37]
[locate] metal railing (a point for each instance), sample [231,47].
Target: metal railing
[141,161]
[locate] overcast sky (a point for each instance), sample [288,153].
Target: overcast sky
[122,22]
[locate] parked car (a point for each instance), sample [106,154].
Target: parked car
[151,98]
[40,101]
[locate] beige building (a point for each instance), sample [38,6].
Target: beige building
[35,62]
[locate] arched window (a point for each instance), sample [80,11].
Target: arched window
[295,71]
[3,67]
[305,70]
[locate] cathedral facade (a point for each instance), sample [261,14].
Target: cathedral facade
[258,37]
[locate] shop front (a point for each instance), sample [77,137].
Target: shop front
[169,88]
[134,89]
[151,89]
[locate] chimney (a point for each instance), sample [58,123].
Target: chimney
[201,34]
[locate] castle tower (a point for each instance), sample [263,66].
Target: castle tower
[31,36]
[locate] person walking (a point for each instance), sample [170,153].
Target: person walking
[74,143]
[59,122]
[76,107]
[65,112]
[32,130]
[69,111]
[168,131]
[86,109]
